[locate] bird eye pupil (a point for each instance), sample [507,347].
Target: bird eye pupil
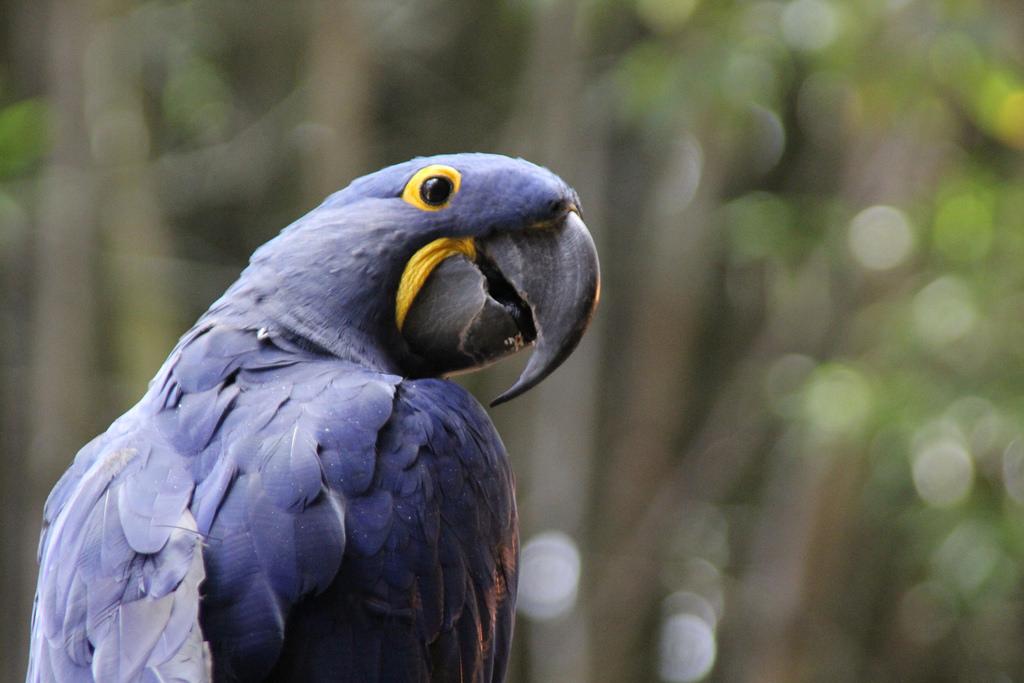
[436,190]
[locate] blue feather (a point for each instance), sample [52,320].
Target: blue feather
[290,469]
[358,490]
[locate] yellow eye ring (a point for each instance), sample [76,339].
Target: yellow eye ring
[432,187]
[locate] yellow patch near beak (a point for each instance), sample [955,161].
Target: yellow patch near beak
[422,264]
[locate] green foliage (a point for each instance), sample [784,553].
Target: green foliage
[197,101]
[897,200]
[24,136]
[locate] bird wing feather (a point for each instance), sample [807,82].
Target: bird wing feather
[211,487]
[183,543]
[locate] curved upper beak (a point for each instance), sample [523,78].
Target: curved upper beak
[555,271]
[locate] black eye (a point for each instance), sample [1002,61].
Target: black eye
[436,190]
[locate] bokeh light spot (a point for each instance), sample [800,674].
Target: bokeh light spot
[688,648]
[665,15]
[837,400]
[768,139]
[686,166]
[1013,471]
[809,24]
[968,557]
[944,311]
[880,237]
[688,602]
[943,472]
[549,576]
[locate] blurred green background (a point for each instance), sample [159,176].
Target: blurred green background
[791,447]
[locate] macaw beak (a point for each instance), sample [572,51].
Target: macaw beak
[537,285]
[555,272]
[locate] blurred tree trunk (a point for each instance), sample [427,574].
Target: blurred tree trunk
[63,327]
[337,134]
[145,315]
[26,49]
[658,402]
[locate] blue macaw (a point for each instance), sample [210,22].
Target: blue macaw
[300,495]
